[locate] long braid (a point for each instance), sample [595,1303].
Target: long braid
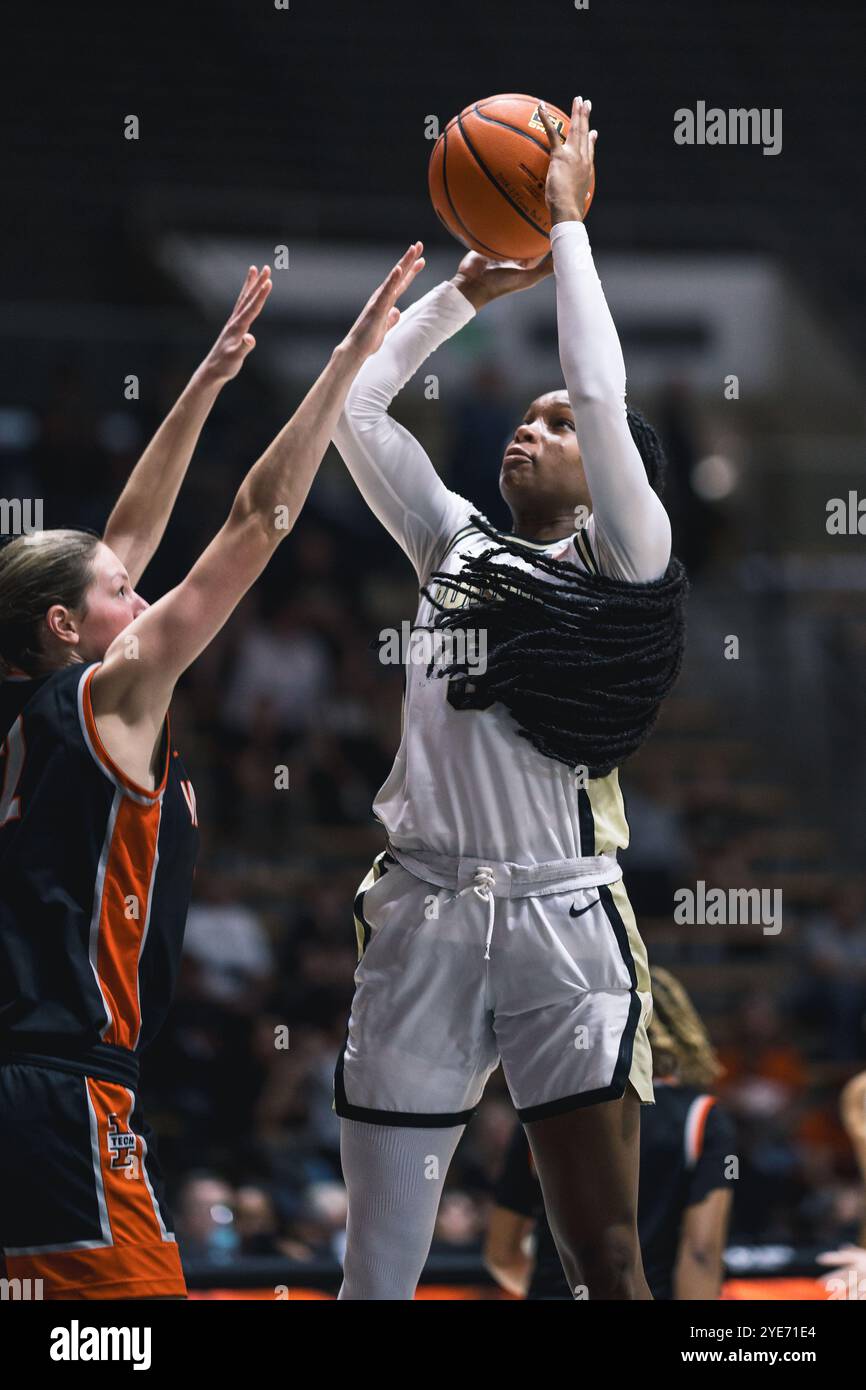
[649,446]
[581,661]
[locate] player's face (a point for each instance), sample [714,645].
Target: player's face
[112,603]
[542,469]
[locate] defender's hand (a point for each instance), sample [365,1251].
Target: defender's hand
[235,342]
[380,312]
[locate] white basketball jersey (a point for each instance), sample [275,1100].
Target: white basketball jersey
[465,782]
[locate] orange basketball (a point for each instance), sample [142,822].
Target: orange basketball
[487,174]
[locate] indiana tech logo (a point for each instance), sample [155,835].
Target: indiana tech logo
[121,1146]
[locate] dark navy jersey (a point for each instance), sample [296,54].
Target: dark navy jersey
[95,875]
[686,1139]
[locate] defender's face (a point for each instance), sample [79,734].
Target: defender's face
[542,467]
[111,603]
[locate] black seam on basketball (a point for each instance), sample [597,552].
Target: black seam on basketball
[457,216]
[495,120]
[484,169]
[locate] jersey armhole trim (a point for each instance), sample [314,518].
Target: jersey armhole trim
[449,546]
[584,550]
[696,1123]
[103,758]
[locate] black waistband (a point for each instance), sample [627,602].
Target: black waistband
[103,1061]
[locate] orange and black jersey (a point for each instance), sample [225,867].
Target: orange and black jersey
[95,878]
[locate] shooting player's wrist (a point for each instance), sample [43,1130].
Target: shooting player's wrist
[564,210]
[475,291]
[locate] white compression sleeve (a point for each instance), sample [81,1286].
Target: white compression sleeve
[394,1177]
[392,470]
[632,529]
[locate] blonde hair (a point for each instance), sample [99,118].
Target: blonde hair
[680,1043]
[36,571]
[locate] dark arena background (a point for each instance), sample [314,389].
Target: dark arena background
[298,135]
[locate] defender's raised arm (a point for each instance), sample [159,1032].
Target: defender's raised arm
[138,520]
[133,687]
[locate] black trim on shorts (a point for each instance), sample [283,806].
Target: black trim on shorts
[621,1071]
[403,1119]
[614,1091]
[576,1102]
[613,916]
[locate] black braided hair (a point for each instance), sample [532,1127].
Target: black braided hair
[581,661]
[649,446]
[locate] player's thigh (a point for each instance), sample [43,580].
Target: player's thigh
[588,1162]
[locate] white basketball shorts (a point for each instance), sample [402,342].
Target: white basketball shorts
[451,980]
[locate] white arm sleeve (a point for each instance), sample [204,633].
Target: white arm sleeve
[629,525]
[393,472]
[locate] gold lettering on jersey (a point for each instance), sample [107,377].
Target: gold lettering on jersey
[449,597]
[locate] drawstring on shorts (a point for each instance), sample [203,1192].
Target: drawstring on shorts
[504,879]
[483,888]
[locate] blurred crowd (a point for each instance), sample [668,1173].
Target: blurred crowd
[288,725]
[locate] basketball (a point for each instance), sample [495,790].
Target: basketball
[487,174]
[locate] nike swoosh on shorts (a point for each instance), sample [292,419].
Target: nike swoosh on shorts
[572,913]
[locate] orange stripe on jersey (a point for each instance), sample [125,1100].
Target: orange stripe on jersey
[123,915]
[697,1123]
[105,758]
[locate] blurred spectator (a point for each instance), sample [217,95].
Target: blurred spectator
[282,668]
[204,1218]
[764,1068]
[834,986]
[228,944]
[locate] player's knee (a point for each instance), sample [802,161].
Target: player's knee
[606,1264]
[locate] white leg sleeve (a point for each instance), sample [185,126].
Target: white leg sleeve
[394,1178]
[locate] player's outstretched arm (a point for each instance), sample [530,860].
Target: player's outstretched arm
[132,688]
[629,518]
[140,515]
[393,472]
